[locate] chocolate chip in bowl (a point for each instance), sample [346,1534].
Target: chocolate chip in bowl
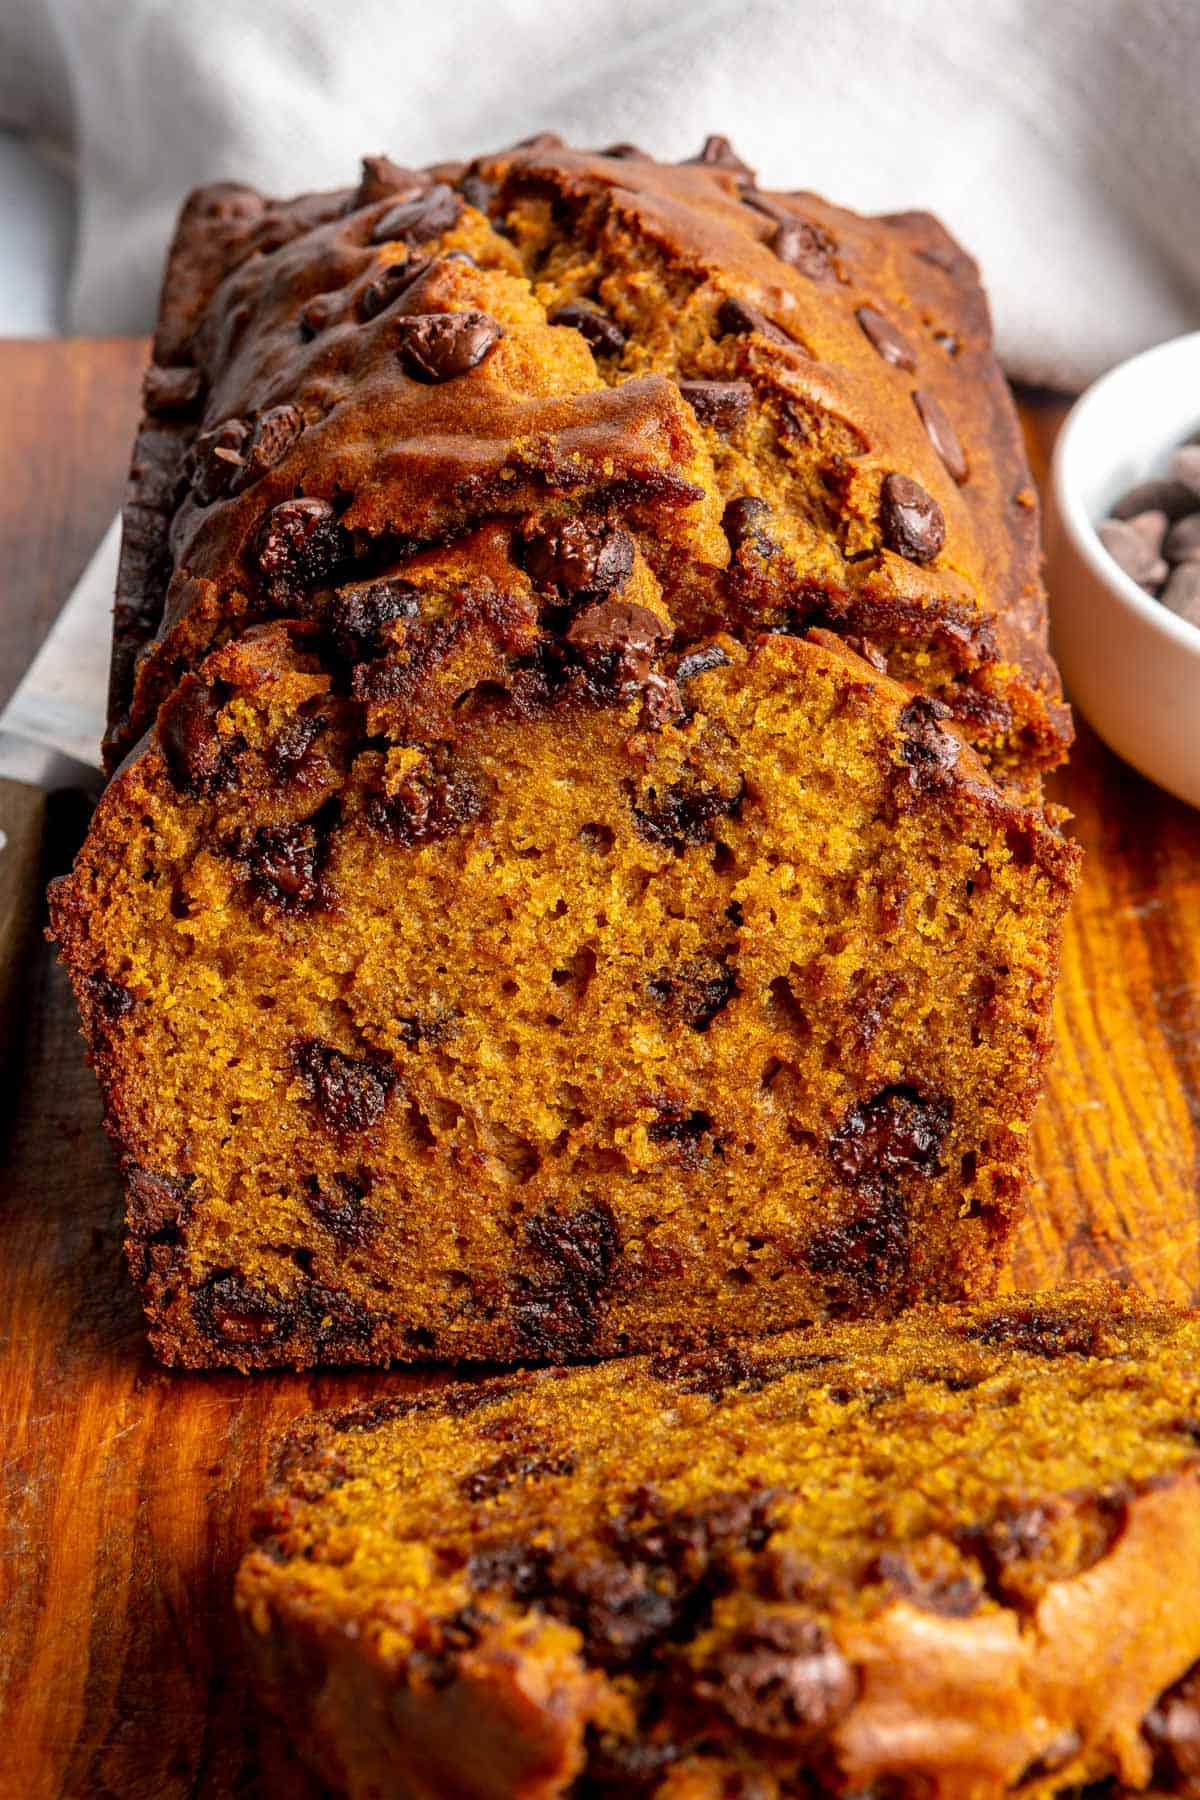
[1123,555]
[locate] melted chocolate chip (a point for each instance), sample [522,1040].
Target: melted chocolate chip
[738,318]
[743,523]
[341,1208]
[513,1467]
[477,192]
[358,616]
[942,435]
[911,520]
[216,457]
[111,999]
[1039,1330]
[439,798]
[231,1311]
[718,153]
[599,328]
[731,1368]
[284,865]
[694,992]
[270,438]
[893,1137]
[805,247]
[718,404]
[286,755]
[559,1312]
[864,1258]
[891,344]
[436,347]
[172,391]
[930,752]
[348,1092]
[419,217]
[299,543]
[616,642]
[584,559]
[682,814]
[782,1678]
[158,1210]
[700,662]
[392,281]
[197,759]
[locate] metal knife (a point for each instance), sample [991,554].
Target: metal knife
[50,735]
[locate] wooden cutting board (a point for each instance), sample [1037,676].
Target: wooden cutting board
[126,1490]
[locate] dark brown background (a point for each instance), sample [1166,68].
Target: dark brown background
[126,1491]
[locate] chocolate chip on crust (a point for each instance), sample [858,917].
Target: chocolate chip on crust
[911,520]
[437,347]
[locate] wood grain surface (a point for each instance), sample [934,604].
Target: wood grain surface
[127,1491]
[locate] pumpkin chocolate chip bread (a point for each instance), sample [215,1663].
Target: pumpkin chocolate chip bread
[577,879]
[957,1555]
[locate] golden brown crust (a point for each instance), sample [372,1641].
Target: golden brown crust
[953,1557]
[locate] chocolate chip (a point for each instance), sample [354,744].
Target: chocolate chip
[744,521]
[719,153]
[781,1678]
[738,318]
[1182,541]
[891,344]
[558,1312]
[381,177]
[1132,552]
[930,752]
[317,314]
[392,281]
[598,328]
[348,1092]
[437,347]
[1174,498]
[616,642]
[805,247]
[284,865]
[699,662]
[111,999]
[694,992]
[196,757]
[298,544]
[1038,1328]
[270,438]
[1182,592]
[341,1209]
[582,558]
[357,617]
[942,434]
[421,216]
[286,755]
[683,814]
[511,1468]
[231,1311]
[718,404]
[438,799]
[626,153]
[893,1137]
[172,391]
[1152,527]
[911,520]
[865,1258]
[216,457]
[477,192]
[1185,468]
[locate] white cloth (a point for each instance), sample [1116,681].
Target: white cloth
[1057,138]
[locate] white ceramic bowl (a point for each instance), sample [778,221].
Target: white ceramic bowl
[1130,667]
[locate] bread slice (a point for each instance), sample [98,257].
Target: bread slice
[958,1554]
[545,1035]
[577,877]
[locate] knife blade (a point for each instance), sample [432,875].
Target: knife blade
[50,730]
[50,735]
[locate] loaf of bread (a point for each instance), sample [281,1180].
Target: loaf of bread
[574,877]
[956,1555]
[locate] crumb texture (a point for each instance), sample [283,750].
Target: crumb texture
[575,877]
[950,1555]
